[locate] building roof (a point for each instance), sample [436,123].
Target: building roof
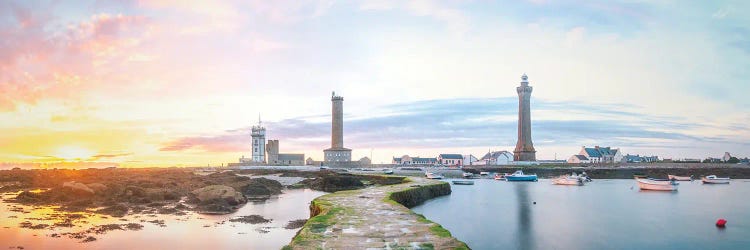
[423,159]
[581,157]
[451,156]
[592,152]
[495,155]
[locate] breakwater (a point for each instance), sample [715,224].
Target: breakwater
[376,217]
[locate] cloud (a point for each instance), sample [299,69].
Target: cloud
[228,142]
[470,122]
[38,61]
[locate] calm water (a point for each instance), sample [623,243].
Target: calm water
[193,231]
[604,214]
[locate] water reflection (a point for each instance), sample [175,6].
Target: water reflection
[606,214]
[525,221]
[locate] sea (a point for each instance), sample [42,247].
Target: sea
[603,214]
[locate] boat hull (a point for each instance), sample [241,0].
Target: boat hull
[566,181]
[463,182]
[707,181]
[680,178]
[521,178]
[656,185]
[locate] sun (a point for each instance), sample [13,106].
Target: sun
[73,153]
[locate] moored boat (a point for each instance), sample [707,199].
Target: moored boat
[484,173]
[573,179]
[712,179]
[500,177]
[388,171]
[520,176]
[431,175]
[467,175]
[645,184]
[463,182]
[680,178]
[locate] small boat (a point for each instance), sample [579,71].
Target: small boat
[467,175]
[573,179]
[520,176]
[463,182]
[484,173]
[500,177]
[323,167]
[712,179]
[645,184]
[680,178]
[435,176]
[388,171]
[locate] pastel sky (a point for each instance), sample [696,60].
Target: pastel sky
[179,83]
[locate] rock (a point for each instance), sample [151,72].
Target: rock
[213,193]
[97,187]
[77,188]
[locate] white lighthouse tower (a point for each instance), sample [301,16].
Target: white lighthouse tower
[259,142]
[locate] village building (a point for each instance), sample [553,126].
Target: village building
[407,160]
[450,159]
[497,158]
[470,159]
[601,154]
[578,159]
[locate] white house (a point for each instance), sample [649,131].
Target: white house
[576,159]
[451,159]
[470,160]
[601,154]
[498,158]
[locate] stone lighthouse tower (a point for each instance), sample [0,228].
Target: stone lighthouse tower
[337,153]
[524,148]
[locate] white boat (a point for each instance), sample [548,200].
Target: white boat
[388,171]
[712,179]
[680,178]
[573,179]
[500,177]
[645,184]
[484,173]
[430,175]
[467,175]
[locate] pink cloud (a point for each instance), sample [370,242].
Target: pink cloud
[232,142]
[37,61]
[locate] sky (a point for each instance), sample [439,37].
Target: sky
[179,83]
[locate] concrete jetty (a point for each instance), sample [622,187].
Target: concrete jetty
[376,218]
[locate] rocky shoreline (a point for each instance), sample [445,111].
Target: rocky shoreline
[128,198]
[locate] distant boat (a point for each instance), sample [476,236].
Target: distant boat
[500,177]
[463,182]
[520,176]
[680,178]
[712,179]
[467,175]
[430,175]
[323,167]
[645,184]
[573,179]
[388,171]
[484,173]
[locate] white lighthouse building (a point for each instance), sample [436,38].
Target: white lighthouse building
[259,142]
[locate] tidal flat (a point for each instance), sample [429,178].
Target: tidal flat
[161,208]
